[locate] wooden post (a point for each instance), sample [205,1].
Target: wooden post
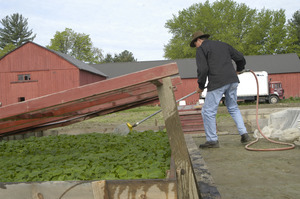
[100,189]
[187,188]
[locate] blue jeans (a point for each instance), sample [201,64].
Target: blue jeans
[210,108]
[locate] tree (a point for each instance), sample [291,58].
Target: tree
[294,26]
[108,58]
[7,49]
[78,45]
[268,33]
[124,56]
[295,21]
[15,31]
[246,29]
[294,32]
[97,55]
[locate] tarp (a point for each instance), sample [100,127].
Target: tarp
[284,125]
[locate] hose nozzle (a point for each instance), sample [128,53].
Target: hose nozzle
[129,126]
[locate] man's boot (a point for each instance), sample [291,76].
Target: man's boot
[245,138]
[210,144]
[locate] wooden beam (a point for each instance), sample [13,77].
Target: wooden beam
[139,189]
[100,189]
[206,185]
[187,187]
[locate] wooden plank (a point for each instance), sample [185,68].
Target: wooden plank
[13,126]
[100,190]
[139,189]
[191,119]
[142,189]
[190,112]
[187,187]
[205,183]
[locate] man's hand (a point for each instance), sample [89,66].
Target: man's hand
[199,91]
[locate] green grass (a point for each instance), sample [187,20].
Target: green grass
[291,100]
[132,116]
[122,117]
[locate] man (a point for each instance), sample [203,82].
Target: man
[214,61]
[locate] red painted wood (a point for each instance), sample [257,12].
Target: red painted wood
[49,73]
[191,119]
[108,103]
[88,78]
[290,83]
[187,86]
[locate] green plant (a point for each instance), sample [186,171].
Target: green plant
[292,100]
[95,156]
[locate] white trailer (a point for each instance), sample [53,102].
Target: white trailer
[247,90]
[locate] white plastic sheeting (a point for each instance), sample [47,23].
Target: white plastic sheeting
[283,125]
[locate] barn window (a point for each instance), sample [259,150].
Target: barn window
[24,77]
[21,99]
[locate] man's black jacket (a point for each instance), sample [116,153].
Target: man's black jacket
[214,60]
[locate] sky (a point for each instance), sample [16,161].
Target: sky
[116,25]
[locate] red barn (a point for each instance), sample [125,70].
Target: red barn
[31,71]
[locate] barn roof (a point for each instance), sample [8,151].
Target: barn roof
[79,64]
[273,64]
